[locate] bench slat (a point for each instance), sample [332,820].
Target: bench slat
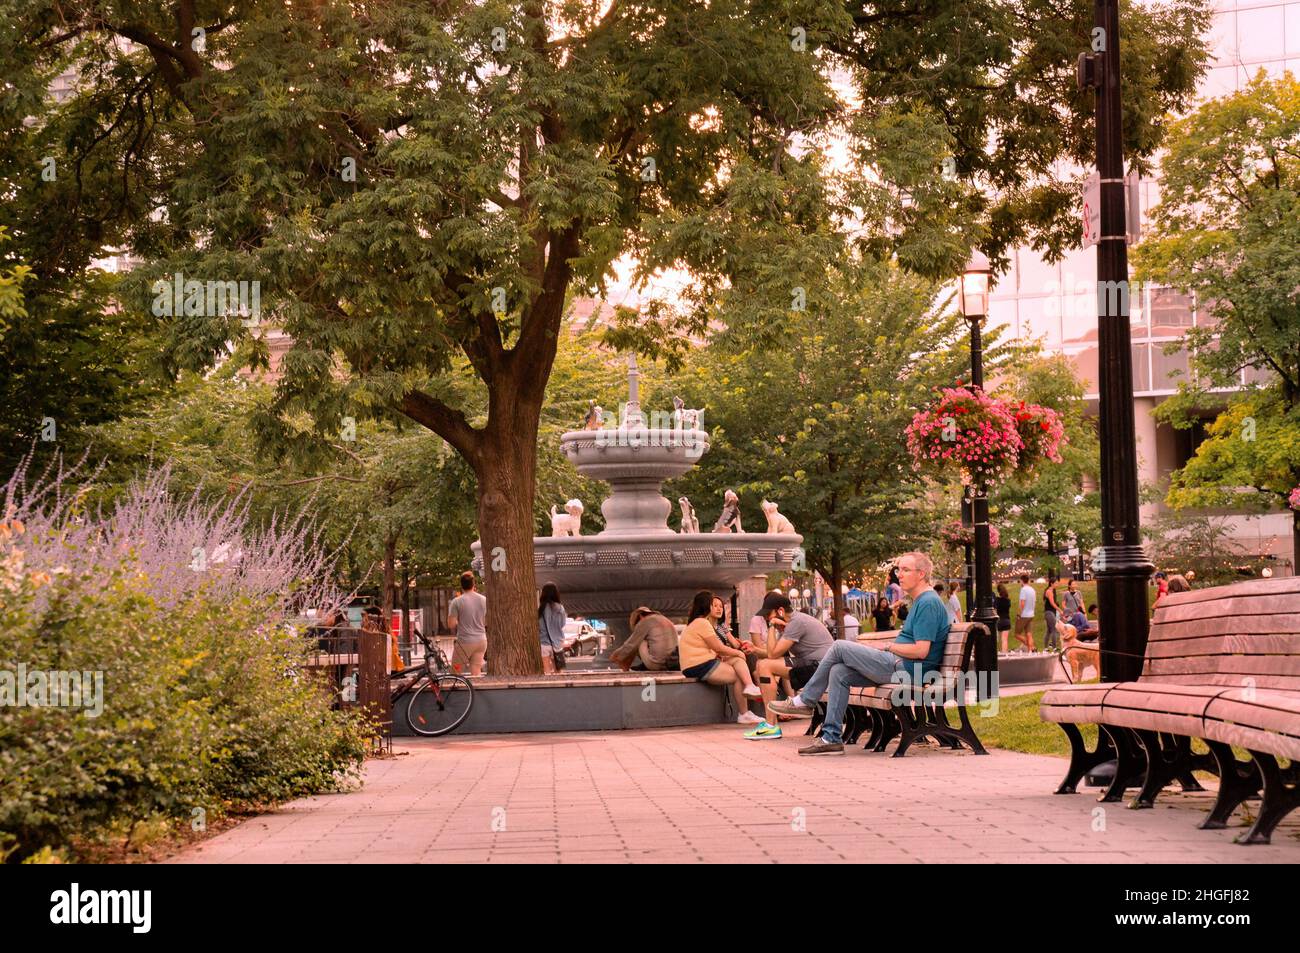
[1228,680]
[1250,738]
[1250,587]
[1246,625]
[1229,604]
[1265,665]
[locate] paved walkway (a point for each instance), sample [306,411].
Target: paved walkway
[705,794]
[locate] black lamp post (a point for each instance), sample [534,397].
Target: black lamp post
[1122,566]
[974,298]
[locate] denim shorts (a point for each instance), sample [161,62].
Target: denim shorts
[702,670]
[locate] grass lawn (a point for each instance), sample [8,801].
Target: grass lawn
[1017,727]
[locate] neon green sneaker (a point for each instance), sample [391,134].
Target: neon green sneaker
[763,732]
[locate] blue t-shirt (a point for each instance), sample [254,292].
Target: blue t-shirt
[927,622]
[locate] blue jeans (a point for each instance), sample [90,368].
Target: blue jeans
[847,665]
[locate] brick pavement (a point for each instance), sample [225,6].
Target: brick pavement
[705,794]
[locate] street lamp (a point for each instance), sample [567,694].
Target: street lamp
[1122,567]
[973,294]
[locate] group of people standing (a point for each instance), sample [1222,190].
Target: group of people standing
[1061,606]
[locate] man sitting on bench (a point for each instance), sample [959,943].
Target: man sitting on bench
[849,664]
[796,634]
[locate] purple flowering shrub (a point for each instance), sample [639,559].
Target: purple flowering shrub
[149,664]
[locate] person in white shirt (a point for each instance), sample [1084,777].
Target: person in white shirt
[1025,615]
[852,627]
[954,604]
[953,613]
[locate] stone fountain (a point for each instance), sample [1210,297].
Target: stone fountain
[637,559]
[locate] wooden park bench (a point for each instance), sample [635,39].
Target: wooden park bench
[1221,665]
[898,711]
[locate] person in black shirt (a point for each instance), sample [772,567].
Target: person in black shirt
[1002,604]
[883,615]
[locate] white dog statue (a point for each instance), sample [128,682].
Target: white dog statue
[729,521]
[568,523]
[686,419]
[690,524]
[776,523]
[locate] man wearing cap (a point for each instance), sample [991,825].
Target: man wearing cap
[653,639]
[797,634]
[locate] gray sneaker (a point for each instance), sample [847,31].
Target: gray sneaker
[790,709]
[823,747]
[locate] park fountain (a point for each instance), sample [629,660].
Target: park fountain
[637,559]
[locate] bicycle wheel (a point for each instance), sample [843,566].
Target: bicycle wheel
[440,705]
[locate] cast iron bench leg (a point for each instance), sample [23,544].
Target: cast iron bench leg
[1238,782]
[967,732]
[1281,797]
[1131,762]
[815,723]
[889,729]
[1081,759]
[1168,758]
[911,727]
[877,726]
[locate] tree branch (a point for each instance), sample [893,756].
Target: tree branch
[447,422]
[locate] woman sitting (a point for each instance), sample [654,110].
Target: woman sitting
[705,657]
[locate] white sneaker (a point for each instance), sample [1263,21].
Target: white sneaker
[753,691]
[748,718]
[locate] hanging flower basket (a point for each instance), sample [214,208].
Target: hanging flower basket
[1041,434]
[969,430]
[1294,499]
[955,535]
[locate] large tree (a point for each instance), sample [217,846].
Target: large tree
[1227,229]
[411,182]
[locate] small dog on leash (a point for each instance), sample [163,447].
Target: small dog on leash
[1078,655]
[776,523]
[568,523]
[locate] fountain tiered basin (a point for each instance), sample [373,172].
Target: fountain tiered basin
[638,559]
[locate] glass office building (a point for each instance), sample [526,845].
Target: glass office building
[1056,303]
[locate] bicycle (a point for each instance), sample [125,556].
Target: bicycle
[447,697]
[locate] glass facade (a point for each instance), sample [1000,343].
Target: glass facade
[1057,303]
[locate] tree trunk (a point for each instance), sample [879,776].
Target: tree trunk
[837,597]
[506,484]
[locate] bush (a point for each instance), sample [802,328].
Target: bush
[205,699]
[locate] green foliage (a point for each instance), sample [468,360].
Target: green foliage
[205,703]
[1051,498]
[1228,230]
[1250,457]
[816,423]
[1201,546]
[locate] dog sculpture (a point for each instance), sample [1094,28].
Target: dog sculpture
[686,419]
[690,524]
[729,521]
[1078,655]
[776,523]
[568,523]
